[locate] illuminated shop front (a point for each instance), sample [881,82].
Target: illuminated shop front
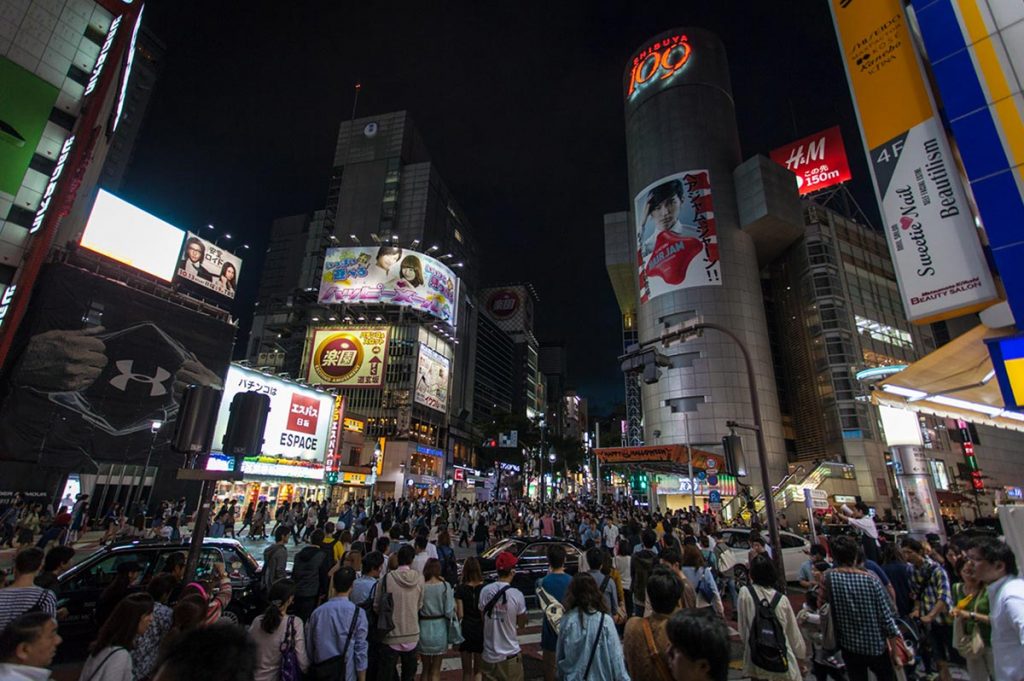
[270,479]
[677,491]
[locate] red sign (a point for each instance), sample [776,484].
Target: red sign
[658,62]
[460,475]
[818,161]
[503,304]
[304,413]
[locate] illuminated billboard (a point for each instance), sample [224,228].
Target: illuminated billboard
[676,235]
[353,357]
[389,275]
[818,160]
[208,265]
[22,120]
[432,379]
[299,422]
[933,241]
[130,235]
[658,63]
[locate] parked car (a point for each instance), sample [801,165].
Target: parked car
[532,553]
[734,546]
[81,586]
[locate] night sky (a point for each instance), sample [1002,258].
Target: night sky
[520,106]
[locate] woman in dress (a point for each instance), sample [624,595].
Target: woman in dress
[438,608]
[467,607]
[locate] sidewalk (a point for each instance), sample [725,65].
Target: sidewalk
[86,544]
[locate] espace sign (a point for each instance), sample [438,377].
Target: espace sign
[818,161]
[658,62]
[299,422]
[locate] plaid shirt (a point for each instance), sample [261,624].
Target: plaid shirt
[931,585]
[861,611]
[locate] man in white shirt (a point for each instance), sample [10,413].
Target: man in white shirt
[860,517]
[503,608]
[996,566]
[422,556]
[611,534]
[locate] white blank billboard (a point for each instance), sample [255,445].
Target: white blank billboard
[128,234]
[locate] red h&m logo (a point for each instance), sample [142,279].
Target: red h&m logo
[303,414]
[818,161]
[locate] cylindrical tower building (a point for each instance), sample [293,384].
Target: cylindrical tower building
[692,257]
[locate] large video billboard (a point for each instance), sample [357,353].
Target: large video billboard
[933,241]
[818,160]
[95,363]
[432,379]
[676,235]
[128,234]
[353,357]
[390,275]
[299,423]
[208,265]
[23,116]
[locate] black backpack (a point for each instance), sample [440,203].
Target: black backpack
[766,638]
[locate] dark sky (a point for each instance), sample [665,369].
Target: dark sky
[520,105]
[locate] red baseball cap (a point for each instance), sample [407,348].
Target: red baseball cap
[505,561]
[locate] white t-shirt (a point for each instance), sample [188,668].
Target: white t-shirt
[611,535]
[500,639]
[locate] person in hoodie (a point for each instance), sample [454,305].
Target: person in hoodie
[406,588]
[309,570]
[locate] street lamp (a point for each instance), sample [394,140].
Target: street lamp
[154,428]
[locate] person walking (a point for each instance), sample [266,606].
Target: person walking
[147,646]
[503,609]
[645,641]
[996,567]
[933,599]
[405,587]
[277,633]
[110,657]
[588,644]
[972,630]
[437,611]
[551,588]
[480,534]
[699,575]
[467,609]
[698,646]
[23,595]
[759,594]
[309,570]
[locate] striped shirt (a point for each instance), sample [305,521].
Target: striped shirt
[15,601]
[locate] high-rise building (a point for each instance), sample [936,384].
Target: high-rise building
[494,358]
[512,310]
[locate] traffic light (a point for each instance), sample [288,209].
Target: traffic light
[735,459]
[976,482]
[332,477]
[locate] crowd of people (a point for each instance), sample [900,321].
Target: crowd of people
[379,595]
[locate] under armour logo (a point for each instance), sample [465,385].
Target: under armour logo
[126,367]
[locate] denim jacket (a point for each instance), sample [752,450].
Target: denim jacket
[576,640]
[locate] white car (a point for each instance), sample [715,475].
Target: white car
[734,546]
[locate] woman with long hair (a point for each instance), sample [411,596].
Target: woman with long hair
[438,608]
[467,608]
[127,573]
[189,613]
[216,593]
[275,630]
[702,580]
[588,643]
[972,620]
[110,657]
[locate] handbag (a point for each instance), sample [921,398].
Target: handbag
[385,612]
[333,668]
[289,668]
[968,645]
[899,653]
[664,674]
[455,636]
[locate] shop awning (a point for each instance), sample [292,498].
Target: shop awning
[672,459]
[955,381]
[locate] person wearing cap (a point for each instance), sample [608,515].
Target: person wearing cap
[503,608]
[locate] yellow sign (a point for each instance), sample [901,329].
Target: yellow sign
[354,479]
[346,356]
[354,425]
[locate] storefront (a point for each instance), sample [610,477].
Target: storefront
[269,479]
[409,469]
[352,486]
[678,491]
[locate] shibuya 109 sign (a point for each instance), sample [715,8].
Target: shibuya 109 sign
[658,62]
[389,275]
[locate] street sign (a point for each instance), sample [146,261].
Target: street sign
[713,480]
[711,463]
[701,475]
[714,497]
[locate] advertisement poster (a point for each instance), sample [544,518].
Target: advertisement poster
[511,307]
[389,275]
[432,379]
[299,422]
[22,120]
[208,265]
[95,364]
[676,234]
[130,235]
[818,161]
[916,489]
[933,240]
[347,356]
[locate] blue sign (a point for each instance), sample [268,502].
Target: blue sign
[428,451]
[701,475]
[714,497]
[713,480]
[1008,364]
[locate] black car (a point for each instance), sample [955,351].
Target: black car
[532,553]
[81,586]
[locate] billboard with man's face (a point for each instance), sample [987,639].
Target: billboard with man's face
[208,265]
[390,275]
[676,235]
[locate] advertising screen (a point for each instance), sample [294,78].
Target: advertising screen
[432,379]
[676,235]
[208,265]
[347,356]
[390,275]
[128,234]
[299,422]
[818,160]
[97,363]
[22,120]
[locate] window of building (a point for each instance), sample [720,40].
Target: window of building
[883,332]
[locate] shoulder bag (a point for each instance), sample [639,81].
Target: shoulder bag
[455,636]
[103,663]
[385,612]
[664,674]
[289,668]
[333,668]
[593,650]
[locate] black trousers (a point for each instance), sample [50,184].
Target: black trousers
[857,666]
[389,658]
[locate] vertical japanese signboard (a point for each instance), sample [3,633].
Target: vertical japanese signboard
[932,237]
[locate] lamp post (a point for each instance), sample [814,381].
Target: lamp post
[154,427]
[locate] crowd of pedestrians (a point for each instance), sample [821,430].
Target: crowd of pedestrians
[379,595]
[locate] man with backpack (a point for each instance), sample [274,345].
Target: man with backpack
[551,590]
[503,608]
[774,646]
[605,583]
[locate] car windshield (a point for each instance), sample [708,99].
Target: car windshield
[511,545]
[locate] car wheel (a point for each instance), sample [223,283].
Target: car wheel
[739,574]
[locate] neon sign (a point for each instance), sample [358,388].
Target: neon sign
[660,61]
[102,59]
[119,107]
[51,186]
